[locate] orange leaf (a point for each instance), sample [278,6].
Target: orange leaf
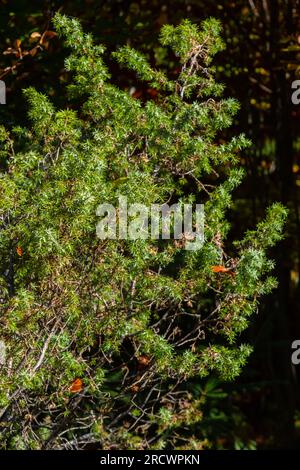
[19,250]
[219,269]
[223,269]
[76,386]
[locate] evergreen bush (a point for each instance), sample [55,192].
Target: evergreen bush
[109,341]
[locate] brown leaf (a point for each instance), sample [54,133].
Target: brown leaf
[35,35]
[143,360]
[137,94]
[50,34]
[8,51]
[33,51]
[45,44]
[17,43]
[46,36]
[152,92]
[134,388]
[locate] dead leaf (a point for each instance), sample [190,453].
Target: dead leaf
[143,360]
[76,386]
[219,269]
[223,269]
[35,35]
[17,43]
[45,44]
[33,51]
[46,36]
[134,388]
[19,250]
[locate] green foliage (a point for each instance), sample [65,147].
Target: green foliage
[137,321]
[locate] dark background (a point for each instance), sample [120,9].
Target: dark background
[261,61]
